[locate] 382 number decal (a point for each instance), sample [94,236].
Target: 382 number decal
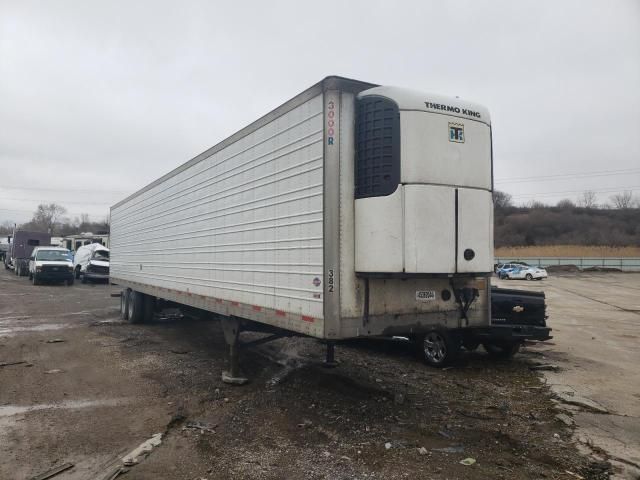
[331,281]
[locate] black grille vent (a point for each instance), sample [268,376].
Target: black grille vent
[377,147]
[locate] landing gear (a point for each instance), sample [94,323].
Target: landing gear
[231,328]
[330,359]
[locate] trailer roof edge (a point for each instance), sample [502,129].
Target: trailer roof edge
[332,82]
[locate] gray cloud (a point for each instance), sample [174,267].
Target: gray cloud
[98,99]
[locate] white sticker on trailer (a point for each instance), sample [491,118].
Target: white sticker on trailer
[425,295]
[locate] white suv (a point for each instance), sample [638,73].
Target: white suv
[50,263]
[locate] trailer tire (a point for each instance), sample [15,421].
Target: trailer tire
[438,348]
[124,304]
[135,306]
[148,307]
[502,350]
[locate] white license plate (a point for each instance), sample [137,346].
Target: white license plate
[425,295]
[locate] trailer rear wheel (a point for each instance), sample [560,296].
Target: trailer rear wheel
[124,305]
[135,307]
[438,348]
[148,306]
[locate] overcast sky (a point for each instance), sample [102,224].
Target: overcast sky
[99,98]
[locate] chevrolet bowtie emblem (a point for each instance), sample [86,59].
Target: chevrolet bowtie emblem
[518,309]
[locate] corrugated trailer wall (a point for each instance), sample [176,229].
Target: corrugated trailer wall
[238,231]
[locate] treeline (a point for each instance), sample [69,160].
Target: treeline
[565,223]
[51,218]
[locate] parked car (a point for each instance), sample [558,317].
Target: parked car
[525,273]
[91,262]
[50,264]
[504,268]
[500,266]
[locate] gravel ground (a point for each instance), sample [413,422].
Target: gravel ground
[92,388]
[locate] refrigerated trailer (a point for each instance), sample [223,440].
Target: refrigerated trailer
[351,210]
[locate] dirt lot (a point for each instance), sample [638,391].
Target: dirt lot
[596,322]
[92,388]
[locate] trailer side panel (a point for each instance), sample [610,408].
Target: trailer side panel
[239,232]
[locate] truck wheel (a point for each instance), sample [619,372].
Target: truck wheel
[77,272]
[124,305]
[136,307]
[34,279]
[528,276]
[438,348]
[502,350]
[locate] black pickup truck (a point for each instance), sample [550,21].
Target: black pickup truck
[516,316]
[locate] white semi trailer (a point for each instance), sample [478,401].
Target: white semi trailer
[351,210]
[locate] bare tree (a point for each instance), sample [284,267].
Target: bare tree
[501,199]
[588,199]
[623,200]
[6,227]
[534,204]
[48,217]
[566,204]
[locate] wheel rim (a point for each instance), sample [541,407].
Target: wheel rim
[435,348]
[529,277]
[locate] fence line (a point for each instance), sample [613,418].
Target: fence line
[626,264]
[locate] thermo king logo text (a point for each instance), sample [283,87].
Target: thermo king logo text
[449,108]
